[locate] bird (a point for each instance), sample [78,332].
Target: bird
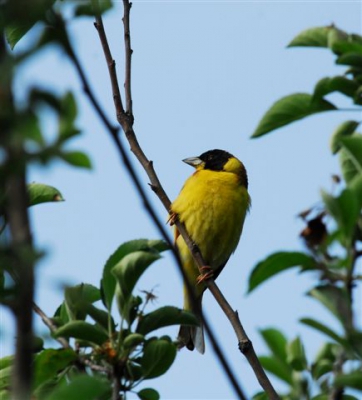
[212,205]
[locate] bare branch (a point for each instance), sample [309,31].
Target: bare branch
[128,56]
[110,61]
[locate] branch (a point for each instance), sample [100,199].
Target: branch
[116,383]
[127,45]
[126,121]
[49,323]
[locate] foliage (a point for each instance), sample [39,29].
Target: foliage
[104,354]
[102,345]
[332,236]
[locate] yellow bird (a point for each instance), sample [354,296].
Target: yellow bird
[212,205]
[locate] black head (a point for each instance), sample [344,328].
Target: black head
[215,159]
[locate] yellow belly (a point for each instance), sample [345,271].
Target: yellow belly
[212,205]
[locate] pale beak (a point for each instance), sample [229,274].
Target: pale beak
[193,161]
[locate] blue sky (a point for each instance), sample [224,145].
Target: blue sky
[204,72]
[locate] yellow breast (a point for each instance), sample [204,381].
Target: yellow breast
[213,205]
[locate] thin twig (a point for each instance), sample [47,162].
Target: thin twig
[49,323]
[127,45]
[95,367]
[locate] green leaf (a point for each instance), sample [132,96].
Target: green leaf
[289,109]
[277,368]
[28,124]
[83,331]
[166,316]
[351,156]
[323,329]
[127,273]
[61,315]
[76,158]
[67,115]
[328,351]
[40,193]
[148,394]
[134,371]
[336,35]
[354,339]
[133,340]
[18,24]
[348,166]
[344,209]
[336,301]
[88,11]
[49,362]
[355,186]
[321,368]
[336,84]
[276,263]
[296,355]
[14,32]
[352,380]
[39,97]
[5,377]
[347,128]
[108,282]
[100,316]
[5,394]
[82,387]
[158,356]
[312,37]
[345,47]
[6,362]
[276,342]
[77,297]
[352,59]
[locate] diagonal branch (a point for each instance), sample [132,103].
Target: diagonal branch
[125,119]
[49,323]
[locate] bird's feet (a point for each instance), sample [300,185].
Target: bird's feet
[172,219]
[207,273]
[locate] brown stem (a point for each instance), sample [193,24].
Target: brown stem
[128,56]
[49,323]
[110,62]
[116,388]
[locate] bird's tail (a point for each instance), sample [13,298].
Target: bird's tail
[192,336]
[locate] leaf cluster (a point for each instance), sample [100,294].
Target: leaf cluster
[348,52]
[122,348]
[332,238]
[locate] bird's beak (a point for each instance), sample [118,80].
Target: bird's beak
[193,161]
